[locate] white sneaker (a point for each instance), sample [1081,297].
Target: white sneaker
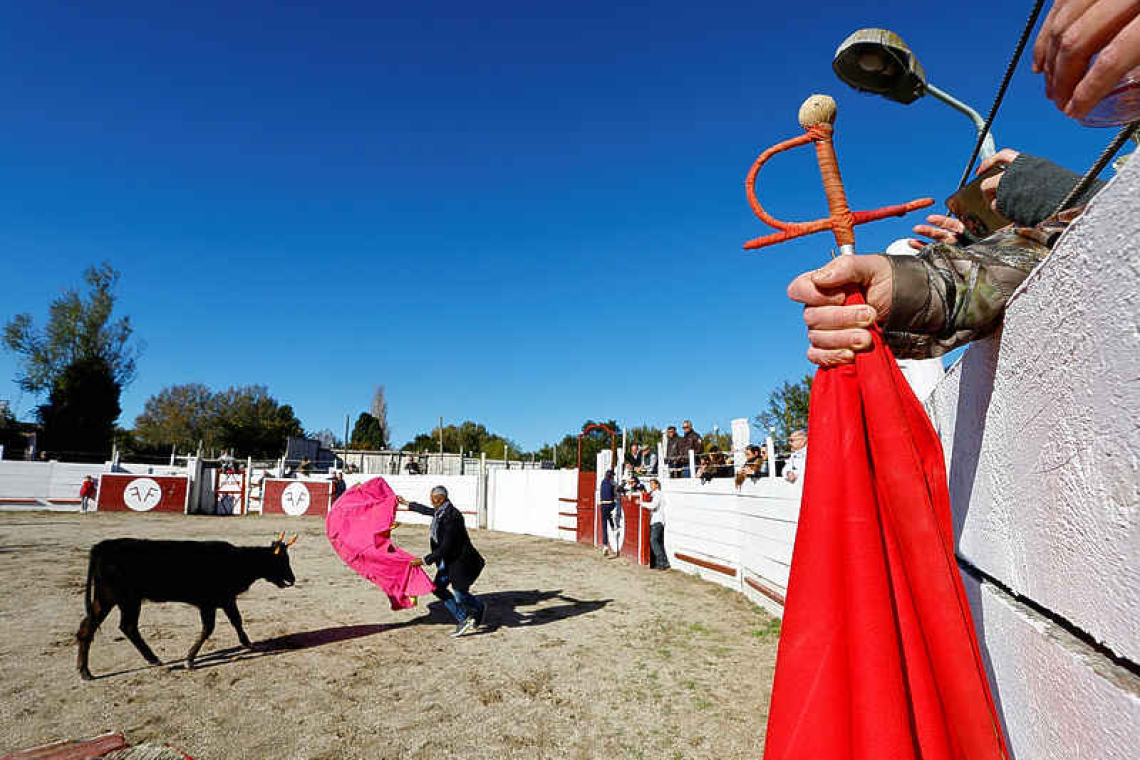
[466,625]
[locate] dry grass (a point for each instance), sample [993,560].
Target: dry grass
[581,658]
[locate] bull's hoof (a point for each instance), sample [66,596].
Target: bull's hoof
[190,665]
[85,674]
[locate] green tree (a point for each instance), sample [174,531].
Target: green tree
[246,420]
[787,410]
[82,408]
[367,434]
[643,435]
[250,422]
[11,434]
[78,328]
[180,415]
[470,437]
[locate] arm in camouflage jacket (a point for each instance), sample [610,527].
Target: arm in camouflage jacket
[948,295]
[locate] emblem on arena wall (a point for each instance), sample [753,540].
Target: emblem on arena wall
[295,499]
[142,494]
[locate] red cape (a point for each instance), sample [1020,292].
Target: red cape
[878,659]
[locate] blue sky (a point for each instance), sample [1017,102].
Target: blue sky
[524,214]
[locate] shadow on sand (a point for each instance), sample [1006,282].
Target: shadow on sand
[503,611]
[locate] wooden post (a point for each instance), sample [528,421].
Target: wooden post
[441,443]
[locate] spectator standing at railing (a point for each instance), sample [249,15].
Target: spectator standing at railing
[690,441]
[607,500]
[673,452]
[797,462]
[86,493]
[658,558]
[648,461]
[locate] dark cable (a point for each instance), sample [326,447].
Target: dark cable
[1083,184]
[1001,90]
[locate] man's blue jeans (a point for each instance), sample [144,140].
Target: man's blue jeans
[460,604]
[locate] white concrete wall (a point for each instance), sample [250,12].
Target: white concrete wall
[38,484]
[1040,429]
[750,530]
[463,490]
[527,501]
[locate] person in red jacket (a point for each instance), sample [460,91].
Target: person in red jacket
[87,494]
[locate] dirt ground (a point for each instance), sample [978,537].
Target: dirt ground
[579,657]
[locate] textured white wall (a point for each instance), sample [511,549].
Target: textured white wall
[37,482]
[1043,441]
[526,501]
[751,531]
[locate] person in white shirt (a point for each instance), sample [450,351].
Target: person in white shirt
[658,559]
[797,462]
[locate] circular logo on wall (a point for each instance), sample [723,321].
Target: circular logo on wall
[295,499]
[142,494]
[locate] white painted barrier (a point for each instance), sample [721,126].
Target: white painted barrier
[528,501]
[741,539]
[464,491]
[44,485]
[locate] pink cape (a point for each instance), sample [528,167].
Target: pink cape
[357,526]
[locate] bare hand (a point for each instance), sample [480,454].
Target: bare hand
[401,500]
[417,562]
[836,331]
[790,477]
[1075,31]
[989,186]
[942,229]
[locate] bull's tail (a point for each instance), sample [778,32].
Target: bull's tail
[88,599]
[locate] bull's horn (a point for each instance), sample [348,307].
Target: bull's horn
[280,537]
[292,540]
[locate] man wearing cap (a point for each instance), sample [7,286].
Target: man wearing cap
[458,563]
[607,500]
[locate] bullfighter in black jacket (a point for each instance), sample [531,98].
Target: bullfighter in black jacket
[458,563]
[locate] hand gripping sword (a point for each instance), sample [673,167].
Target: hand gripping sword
[817,117]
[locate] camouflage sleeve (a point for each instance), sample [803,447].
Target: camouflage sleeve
[947,295]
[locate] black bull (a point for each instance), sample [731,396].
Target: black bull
[206,574]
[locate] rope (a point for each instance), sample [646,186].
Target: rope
[1087,180]
[1001,90]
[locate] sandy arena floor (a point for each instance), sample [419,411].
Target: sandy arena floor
[580,657]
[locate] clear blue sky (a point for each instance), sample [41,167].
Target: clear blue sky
[524,214]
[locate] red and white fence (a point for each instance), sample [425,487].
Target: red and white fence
[143,493]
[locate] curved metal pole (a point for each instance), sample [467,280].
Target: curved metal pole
[988,148]
[613,442]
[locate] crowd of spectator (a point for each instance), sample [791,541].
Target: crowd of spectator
[711,461]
